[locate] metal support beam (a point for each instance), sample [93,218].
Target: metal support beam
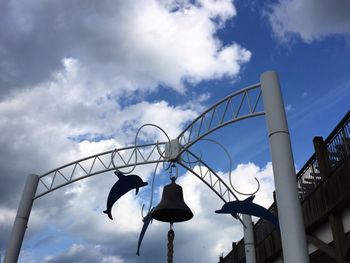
[289,208]
[249,244]
[20,224]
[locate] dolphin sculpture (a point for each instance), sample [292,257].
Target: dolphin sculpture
[146,220]
[248,207]
[121,187]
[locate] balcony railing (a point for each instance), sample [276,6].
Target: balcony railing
[338,150]
[337,146]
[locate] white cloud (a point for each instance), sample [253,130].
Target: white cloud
[83,253]
[289,107]
[138,45]
[310,20]
[243,180]
[179,45]
[6,220]
[88,103]
[72,104]
[223,9]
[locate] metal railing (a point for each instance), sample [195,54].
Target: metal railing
[309,177]
[338,150]
[338,147]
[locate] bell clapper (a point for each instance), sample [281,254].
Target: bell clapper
[171,236]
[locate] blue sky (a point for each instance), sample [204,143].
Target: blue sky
[79,78]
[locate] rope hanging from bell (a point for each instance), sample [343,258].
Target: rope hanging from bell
[171,236]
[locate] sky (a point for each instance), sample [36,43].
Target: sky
[80,77]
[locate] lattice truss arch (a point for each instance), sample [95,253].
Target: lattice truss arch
[125,157]
[240,105]
[99,163]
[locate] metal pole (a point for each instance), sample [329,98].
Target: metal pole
[289,208]
[249,246]
[20,224]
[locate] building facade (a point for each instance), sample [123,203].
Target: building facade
[324,192]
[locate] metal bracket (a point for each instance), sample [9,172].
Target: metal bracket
[172,149]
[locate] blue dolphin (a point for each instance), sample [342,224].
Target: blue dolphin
[249,208]
[146,220]
[121,187]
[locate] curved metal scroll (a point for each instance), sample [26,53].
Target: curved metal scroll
[235,107]
[207,175]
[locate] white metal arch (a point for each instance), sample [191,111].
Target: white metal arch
[125,157]
[97,164]
[237,106]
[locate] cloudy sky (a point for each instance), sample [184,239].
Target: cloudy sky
[80,77]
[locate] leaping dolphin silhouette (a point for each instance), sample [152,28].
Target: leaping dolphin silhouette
[147,219]
[248,207]
[121,187]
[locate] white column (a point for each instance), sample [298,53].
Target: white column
[20,224]
[294,244]
[249,246]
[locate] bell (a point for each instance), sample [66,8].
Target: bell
[172,207]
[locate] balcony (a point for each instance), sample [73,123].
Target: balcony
[323,186]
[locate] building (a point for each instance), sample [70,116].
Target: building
[324,191]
